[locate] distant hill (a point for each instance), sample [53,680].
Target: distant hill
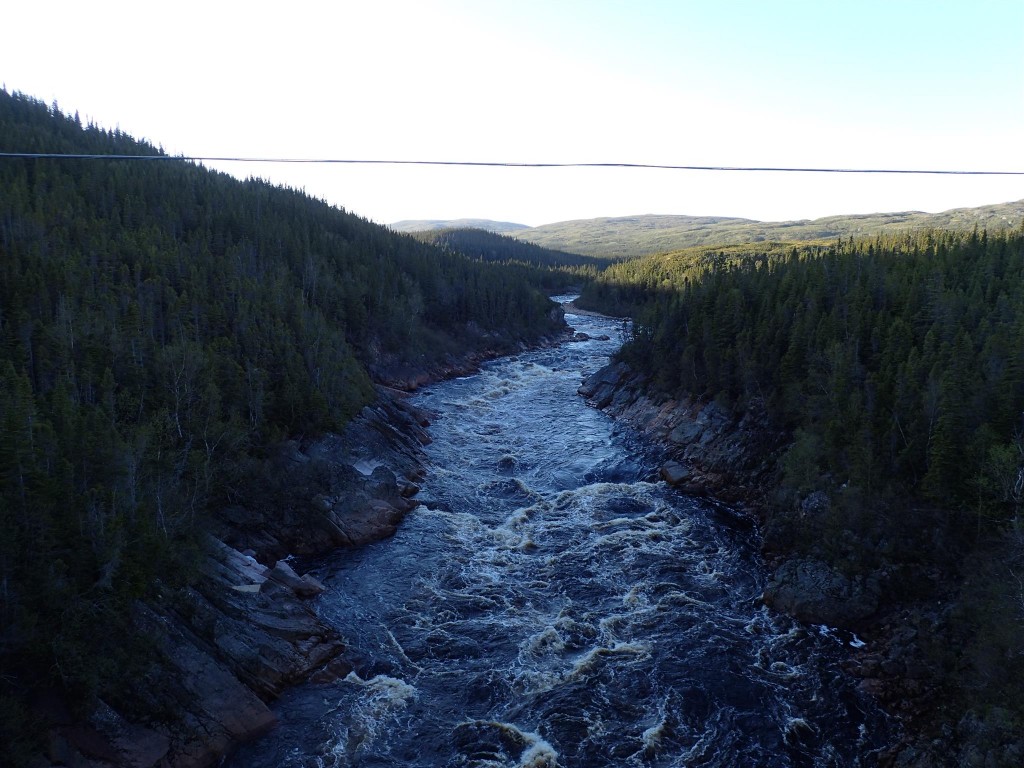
[630,236]
[425,225]
[491,246]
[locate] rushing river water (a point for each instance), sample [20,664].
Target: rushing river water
[552,603]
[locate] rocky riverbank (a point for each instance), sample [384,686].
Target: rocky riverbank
[213,655]
[408,375]
[734,459]
[712,454]
[902,614]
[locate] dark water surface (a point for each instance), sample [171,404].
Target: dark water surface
[552,604]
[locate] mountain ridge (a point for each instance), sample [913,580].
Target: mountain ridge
[428,225]
[485,245]
[622,237]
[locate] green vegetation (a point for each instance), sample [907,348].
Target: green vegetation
[161,326]
[896,363]
[900,357]
[489,246]
[551,271]
[626,287]
[633,236]
[424,225]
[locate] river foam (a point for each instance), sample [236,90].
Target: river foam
[554,603]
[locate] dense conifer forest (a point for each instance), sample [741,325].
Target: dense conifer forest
[492,246]
[896,366]
[551,271]
[898,361]
[161,325]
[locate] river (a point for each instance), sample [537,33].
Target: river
[552,603]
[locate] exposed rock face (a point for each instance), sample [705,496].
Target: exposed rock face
[811,591]
[225,646]
[674,473]
[302,586]
[712,453]
[213,707]
[218,651]
[408,376]
[602,386]
[733,459]
[222,648]
[341,491]
[910,646]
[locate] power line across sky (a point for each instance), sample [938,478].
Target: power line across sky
[500,164]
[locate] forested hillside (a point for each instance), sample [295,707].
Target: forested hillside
[896,366]
[161,325]
[424,225]
[490,246]
[901,358]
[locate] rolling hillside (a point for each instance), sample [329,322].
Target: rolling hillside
[630,236]
[427,225]
[491,246]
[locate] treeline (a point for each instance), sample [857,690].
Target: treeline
[161,325]
[626,287]
[896,365]
[491,246]
[551,271]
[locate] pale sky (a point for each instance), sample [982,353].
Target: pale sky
[934,84]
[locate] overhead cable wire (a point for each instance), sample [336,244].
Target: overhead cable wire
[495,164]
